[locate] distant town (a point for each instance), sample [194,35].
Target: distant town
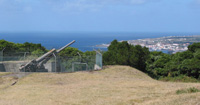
[170,44]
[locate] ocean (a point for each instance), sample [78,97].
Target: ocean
[84,41]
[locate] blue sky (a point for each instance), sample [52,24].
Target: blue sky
[99,15]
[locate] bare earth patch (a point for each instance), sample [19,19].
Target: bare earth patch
[116,85]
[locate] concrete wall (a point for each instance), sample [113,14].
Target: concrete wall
[15,65]
[12,67]
[2,68]
[50,66]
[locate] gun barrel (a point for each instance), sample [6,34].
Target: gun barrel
[65,46]
[38,63]
[45,55]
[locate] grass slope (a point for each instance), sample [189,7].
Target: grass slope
[116,85]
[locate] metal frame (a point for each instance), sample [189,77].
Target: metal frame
[79,64]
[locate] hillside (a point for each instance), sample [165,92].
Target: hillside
[115,85]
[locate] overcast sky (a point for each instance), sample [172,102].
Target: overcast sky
[99,15]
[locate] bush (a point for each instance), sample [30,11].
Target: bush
[123,53]
[16,49]
[190,90]
[171,67]
[181,78]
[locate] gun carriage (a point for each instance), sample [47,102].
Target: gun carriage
[37,65]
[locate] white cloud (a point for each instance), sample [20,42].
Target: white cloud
[66,5]
[16,6]
[79,5]
[91,5]
[108,2]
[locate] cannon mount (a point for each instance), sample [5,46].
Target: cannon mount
[37,65]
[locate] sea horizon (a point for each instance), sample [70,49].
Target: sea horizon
[85,41]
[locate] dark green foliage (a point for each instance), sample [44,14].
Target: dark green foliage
[12,49]
[180,78]
[122,53]
[89,53]
[197,54]
[191,67]
[194,47]
[156,63]
[70,51]
[138,56]
[185,63]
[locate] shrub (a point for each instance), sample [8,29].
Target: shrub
[181,78]
[189,90]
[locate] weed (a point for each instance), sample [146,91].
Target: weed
[190,90]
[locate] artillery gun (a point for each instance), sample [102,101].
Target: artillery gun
[38,64]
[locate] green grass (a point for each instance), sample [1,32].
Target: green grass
[181,78]
[189,90]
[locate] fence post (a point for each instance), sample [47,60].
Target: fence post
[2,54]
[55,61]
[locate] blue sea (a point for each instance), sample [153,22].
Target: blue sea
[85,41]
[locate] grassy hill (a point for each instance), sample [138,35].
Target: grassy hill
[115,85]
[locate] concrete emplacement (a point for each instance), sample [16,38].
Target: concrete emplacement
[13,66]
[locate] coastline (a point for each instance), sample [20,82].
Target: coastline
[169,44]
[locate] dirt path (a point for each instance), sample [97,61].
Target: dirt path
[16,75]
[14,78]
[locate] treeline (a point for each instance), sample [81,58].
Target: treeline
[158,65]
[11,49]
[17,49]
[182,64]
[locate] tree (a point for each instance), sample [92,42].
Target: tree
[38,52]
[194,47]
[138,57]
[70,51]
[117,53]
[122,53]
[17,49]
[197,54]
[191,67]
[151,68]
